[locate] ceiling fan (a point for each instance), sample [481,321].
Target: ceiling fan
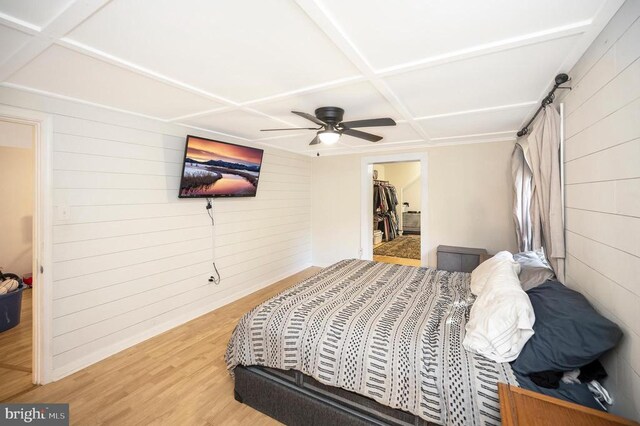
[332,127]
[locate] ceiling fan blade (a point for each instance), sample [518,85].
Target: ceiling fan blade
[315,141]
[310,117]
[372,122]
[361,135]
[291,128]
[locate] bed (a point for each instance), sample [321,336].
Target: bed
[366,343]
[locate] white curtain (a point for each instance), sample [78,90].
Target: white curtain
[541,155]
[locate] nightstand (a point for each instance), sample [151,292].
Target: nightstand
[522,407]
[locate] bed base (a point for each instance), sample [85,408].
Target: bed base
[296,399]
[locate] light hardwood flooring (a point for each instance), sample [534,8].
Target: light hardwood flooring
[15,353]
[397,260]
[176,378]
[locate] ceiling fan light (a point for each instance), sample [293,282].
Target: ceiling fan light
[328,137]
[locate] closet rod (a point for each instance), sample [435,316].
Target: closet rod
[560,79]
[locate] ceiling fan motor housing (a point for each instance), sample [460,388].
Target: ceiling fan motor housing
[331,115]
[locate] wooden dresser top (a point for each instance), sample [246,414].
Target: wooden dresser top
[523,407]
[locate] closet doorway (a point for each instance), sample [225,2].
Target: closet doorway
[394,209]
[396,213]
[17,192]
[29,357]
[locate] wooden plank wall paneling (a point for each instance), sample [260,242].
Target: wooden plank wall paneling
[133,259]
[602,184]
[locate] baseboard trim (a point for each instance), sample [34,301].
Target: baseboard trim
[104,353]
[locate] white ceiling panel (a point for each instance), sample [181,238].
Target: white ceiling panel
[446,71]
[359,100]
[391,33]
[294,143]
[504,78]
[476,123]
[396,145]
[239,50]
[11,41]
[389,146]
[37,12]
[65,72]
[337,149]
[240,123]
[467,139]
[398,133]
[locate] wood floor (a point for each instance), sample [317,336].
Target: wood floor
[15,353]
[176,378]
[397,260]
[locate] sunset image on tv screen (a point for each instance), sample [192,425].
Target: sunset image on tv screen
[219,169]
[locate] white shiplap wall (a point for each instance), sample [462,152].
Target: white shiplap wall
[602,175]
[133,260]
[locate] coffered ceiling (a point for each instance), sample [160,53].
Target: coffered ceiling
[447,71]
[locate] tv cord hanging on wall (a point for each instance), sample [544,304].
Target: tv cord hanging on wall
[216,279]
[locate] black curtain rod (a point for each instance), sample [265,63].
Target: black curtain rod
[560,79]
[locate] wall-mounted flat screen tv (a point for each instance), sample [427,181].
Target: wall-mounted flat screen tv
[219,169]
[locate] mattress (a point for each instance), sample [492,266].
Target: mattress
[388,332]
[296,399]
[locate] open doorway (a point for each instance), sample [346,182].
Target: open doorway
[396,212]
[393,209]
[17,195]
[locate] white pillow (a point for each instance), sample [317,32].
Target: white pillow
[501,319]
[481,274]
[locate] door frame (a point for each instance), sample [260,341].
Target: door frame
[42,333]
[366,197]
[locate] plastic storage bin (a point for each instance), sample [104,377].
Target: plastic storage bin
[377,236]
[10,309]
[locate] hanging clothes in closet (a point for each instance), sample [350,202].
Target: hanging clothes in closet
[385,217]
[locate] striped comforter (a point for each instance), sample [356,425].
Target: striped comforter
[389,332]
